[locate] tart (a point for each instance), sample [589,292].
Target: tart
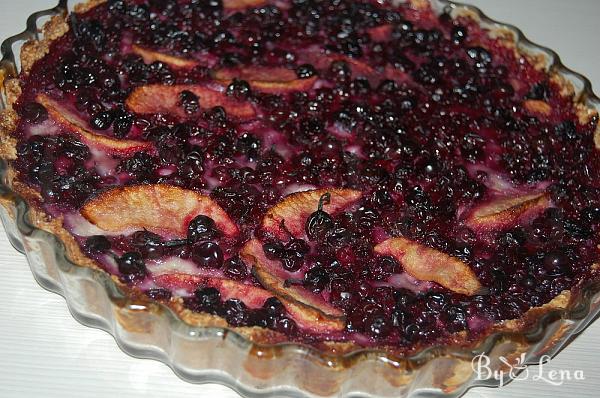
[344,175]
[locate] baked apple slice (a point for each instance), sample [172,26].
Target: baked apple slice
[538,107]
[151,56]
[506,212]
[67,119]
[239,5]
[266,79]
[289,216]
[254,297]
[323,61]
[158,98]
[428,264]
[381,32]
[272,276]
[159,208]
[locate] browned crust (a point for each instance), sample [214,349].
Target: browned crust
[8,144]
[13,90]
[33,51]
[88,5]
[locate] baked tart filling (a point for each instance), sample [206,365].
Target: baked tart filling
[326,171]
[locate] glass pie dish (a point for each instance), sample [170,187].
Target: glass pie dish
[147,329]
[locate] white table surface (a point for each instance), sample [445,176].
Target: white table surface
[45,353]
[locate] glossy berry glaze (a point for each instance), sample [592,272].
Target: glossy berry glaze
[442,137]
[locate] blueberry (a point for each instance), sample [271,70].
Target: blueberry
[436,301]
[201,228]
[340,70]
[319,222]
[236,312]
[34,112]
[556,263]
[480,55]
[360,86]
[132,266]
[366,217]
[299,246]
[339,236]
[274,307]
[459,34]
[97,244]
[235,268]
[378,325]
[273,250]
[208,297]
[102,120]
[122,124]
[456,317]
[238,88]
[189,102]
[140,164]
[138,12]
[291,261]
[566,130]
[117,6]
[305,71]
[207,254]
[412,331]
[591,215]
[249,145]
[399,317]
[149,245]
[539,91]
[316,279]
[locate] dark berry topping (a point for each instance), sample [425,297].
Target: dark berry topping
[235,268]
[131,266]
[34,112]
[480,55]
[459,34]
[208,297]
[97,244]
[122,124]
[556,263]
[207,254]
[316,279]
[189,102]
[148,244]
[285,326]
[236,312]
[238,88]
[305,71]
[102,120]
[274,250]
[319,222]
[378,325]
[274,307]
[202,228]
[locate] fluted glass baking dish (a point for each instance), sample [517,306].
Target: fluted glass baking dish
[150,330]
